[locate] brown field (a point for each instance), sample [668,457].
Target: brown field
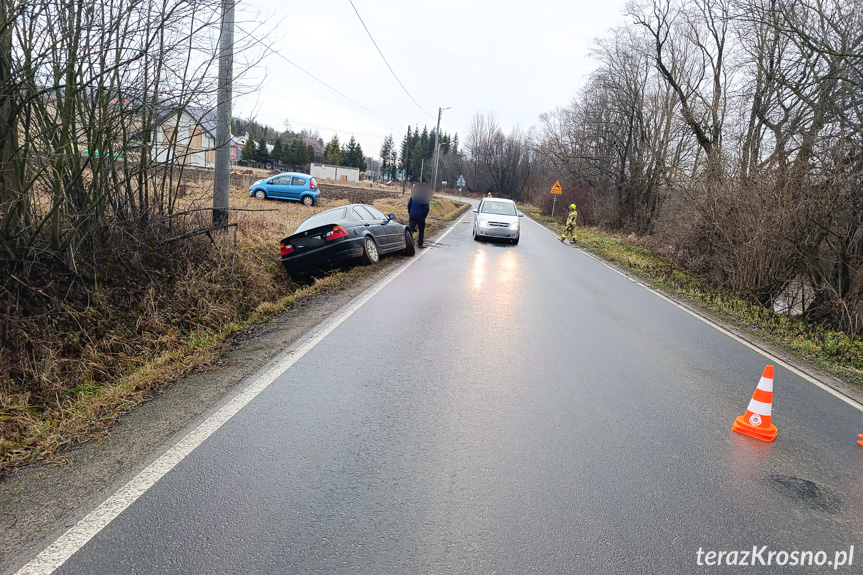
[275,219]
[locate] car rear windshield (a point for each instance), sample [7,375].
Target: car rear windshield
[322,219]
[498,208]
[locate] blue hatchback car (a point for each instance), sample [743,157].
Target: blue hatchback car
[288,186]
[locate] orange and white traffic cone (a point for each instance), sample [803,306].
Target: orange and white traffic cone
[861,437]
[756,421]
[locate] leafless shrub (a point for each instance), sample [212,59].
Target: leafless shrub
[730,130]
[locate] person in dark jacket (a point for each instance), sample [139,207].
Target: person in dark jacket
[418,210]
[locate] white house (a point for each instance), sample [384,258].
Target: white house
[187,137]
[338,173]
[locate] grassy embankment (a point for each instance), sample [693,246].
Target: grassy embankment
[831,350]
[145,325]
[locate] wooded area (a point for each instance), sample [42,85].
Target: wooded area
[414,155]
[95,137]
[731,131]
[728,132]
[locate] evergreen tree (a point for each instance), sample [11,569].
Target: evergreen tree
[387,149]
[262,154]
[352,155]
[419,159]
[348,152]
[444,144]
[299,154]
[250,151]
[289,153]
[362,165]
[427,144]
[455,144]
[406,148]
[305,154]
[393,164]
[278,152]
[333,152]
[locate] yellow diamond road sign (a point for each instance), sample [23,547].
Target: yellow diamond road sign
[555,189]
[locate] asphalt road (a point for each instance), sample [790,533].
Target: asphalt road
[504,409]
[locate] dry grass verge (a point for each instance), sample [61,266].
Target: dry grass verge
[829,349]
[145,315]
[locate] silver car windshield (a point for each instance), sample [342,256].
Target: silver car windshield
[498,208]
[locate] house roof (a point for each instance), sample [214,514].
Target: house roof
[206,118]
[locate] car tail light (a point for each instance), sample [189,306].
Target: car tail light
[338,232]
[311,184]
[286,249]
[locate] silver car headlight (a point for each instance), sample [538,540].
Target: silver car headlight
[483,222]
[513,226]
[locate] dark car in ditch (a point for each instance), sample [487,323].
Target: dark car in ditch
[332,238]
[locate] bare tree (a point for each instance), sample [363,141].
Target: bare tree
[731,129]
[689,40]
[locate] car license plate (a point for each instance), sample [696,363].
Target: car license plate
[309,242]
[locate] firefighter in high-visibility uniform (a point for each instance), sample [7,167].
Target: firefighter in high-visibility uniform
[489,195]
[570,225]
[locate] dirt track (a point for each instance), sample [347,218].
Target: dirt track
[355,195]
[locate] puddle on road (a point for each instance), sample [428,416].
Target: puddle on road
[805,491]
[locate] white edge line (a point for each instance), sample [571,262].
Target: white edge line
[832,391]
[79,534]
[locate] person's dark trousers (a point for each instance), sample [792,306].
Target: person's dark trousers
[421,224]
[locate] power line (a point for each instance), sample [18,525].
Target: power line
[309,74]
[385,60]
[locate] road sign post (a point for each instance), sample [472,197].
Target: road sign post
[556,190]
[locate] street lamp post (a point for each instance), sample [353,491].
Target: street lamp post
[437,147]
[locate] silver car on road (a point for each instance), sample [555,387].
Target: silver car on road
[497,218]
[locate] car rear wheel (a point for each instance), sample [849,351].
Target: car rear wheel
[261,194]
[410,248]
[370,251]
[308,200]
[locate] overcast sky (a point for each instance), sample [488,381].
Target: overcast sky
[517,59]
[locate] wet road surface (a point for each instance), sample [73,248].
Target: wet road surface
[503,409]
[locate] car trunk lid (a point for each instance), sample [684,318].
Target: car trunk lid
[312,238]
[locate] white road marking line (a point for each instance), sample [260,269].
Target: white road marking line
[78,535]
[811,379]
